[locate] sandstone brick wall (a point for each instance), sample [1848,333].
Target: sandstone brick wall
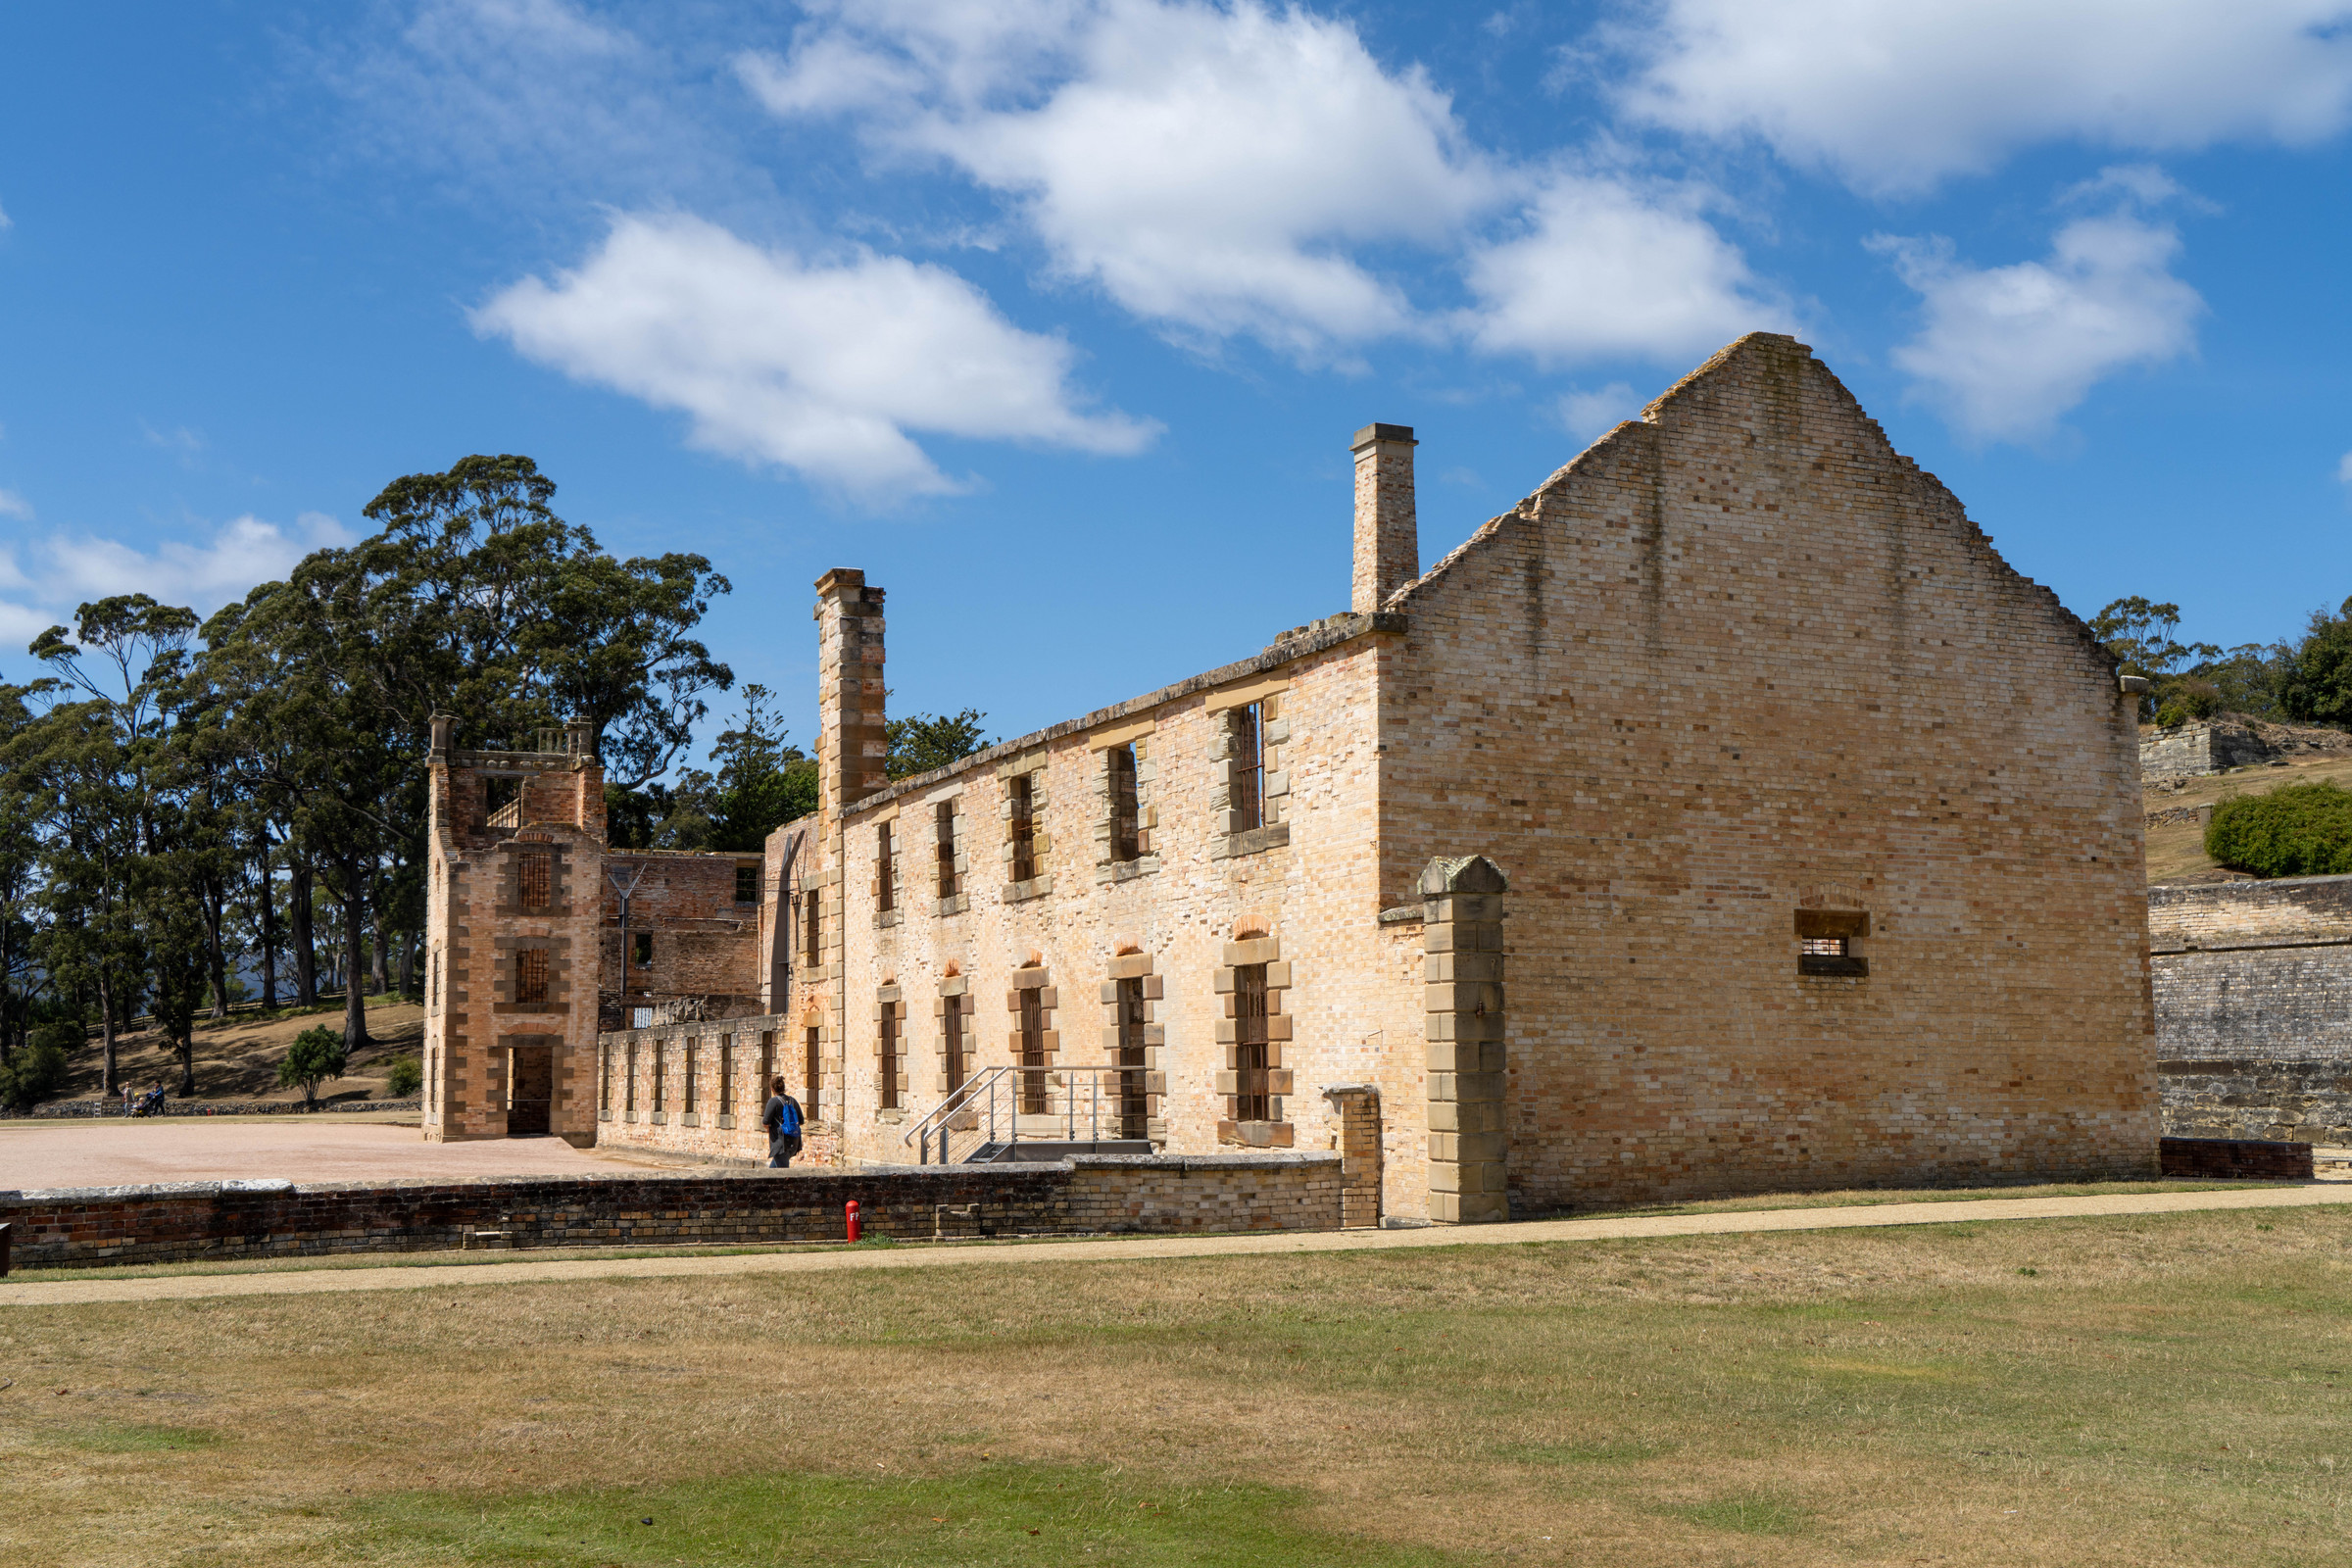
[198,1221]
[1742,659]
[2253,991]
[727,1065]
[1300,897]
[706,942]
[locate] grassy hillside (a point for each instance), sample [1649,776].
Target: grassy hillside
[238,1059]
[2176,849]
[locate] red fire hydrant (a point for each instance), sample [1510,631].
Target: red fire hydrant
[854,1227]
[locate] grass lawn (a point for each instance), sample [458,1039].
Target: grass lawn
[2119,1391]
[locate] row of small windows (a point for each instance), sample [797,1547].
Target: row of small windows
[534,881]
[690,1056]
[1247,800]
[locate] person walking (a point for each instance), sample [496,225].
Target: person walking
[783,1118]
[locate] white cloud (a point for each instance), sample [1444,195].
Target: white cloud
[1893,97]
[2343,470]
[12,505]
[43,580]
[2006,351]
[1604,268]
[822,367]
[6,222]
[1587,416]
[1211,169]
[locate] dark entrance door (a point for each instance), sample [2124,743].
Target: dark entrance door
[531,1089]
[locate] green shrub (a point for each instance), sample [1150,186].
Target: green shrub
[318,1054]
[35,1073]
[403,1077]
[2295,830]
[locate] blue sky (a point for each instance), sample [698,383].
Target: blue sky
[1055,315]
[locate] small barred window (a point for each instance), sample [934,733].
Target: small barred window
[537,881]
[530,976]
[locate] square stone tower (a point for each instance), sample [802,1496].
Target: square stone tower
[515,854]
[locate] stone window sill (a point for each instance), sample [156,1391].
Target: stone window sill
[1256,1133]
[725,1119]
[954,905]
[884,918]
[657,1119]
[1037,887]
[1127,870]
[1256,841]
[1822,965]
[689,1119]
[894,1117]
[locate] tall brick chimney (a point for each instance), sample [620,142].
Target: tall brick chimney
[1388,546]
[851,745]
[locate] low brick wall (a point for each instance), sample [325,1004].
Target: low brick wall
[2237,1159]
[92,1109]
[191,1221]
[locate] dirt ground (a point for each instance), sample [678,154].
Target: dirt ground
[237,1057]
[121,1152]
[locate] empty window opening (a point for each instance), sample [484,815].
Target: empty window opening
[690,1052]
[604,1085]
[661,1088]
[1829,943]
[1249,772]
[811,940]
[815,1071]
[1134,1107]
[959,1049]
[628,1083]
[889,1055]
[747,884]
[1023,791]
[767,1065]
[1251,1099]
[885,875]
[530,977]
[1033,1053]
[943,817]
[502,802]
[642,944]
[727,1075]
[1125,828]
[536,881]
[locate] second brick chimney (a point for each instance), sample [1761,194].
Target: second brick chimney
[852,745]
[1388,545]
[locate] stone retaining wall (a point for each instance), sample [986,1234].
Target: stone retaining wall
[2245,1159]
[1088,1194]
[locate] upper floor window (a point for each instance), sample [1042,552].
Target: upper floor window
[944,820]
[1247,773]
[1126,839]
[811,942]
[1022,788]
[643,943]
[747,884]
[1250,1058]
[530,976]
[885,871]
[535,881]
[1829,941]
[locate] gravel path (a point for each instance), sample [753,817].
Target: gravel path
[528,1268]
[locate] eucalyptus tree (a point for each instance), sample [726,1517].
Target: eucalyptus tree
[92,766]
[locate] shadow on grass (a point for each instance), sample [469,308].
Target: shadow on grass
[1009,1515]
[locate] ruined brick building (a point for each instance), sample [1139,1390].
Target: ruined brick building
[1724,816]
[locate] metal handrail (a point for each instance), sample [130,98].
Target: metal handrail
[997,1093]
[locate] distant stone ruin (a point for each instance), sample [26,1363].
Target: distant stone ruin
[2228,739]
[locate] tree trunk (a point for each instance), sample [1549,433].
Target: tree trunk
[379,955]
[267,885]
[214,897]
[187,1064]
[355,999]
[306,950]
[107,1080]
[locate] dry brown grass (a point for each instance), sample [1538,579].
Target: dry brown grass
[236,1058]
[2152,1390]
[2176,849]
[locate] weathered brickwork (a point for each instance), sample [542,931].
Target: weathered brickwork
[1808,836]
[204,1221]
[2253,992]
[2183,752]
[511,939]
[1742,659]
[694,931]
[2237,1159]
